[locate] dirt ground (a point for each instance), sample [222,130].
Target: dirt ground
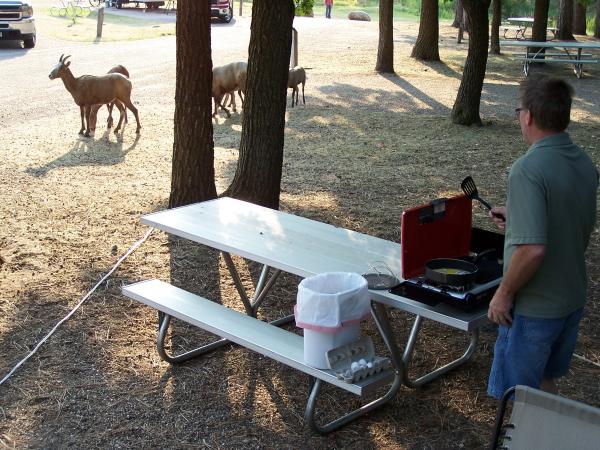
[363,148]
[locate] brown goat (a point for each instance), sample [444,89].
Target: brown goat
[94,111]
[89,90]
[297,76]
[228,78]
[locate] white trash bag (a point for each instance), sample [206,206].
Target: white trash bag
[330,307]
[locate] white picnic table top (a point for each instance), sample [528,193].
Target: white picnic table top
[299,246]
[520,19]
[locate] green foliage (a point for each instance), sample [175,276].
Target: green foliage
[304,7]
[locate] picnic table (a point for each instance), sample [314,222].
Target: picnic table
[520,25]
[283,242]
[570,52]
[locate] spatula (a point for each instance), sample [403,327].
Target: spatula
[468,186]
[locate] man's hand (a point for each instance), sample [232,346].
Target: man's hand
[498,215]
[499,309]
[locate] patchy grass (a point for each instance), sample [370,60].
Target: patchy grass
[115,28]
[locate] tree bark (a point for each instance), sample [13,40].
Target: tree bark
[193,175]
[597,29]
[385,51]
[540,20]
[258,175]
[565,21]
[495,29]
[426,48]
[579,18]
[466,106]
[458,13]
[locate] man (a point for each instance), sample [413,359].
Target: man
[549,216]
[328,6]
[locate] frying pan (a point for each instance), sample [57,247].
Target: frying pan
[453,272]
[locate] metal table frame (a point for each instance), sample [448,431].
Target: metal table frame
[572,50]
[184,222]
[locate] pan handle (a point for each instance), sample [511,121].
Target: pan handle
[490,253]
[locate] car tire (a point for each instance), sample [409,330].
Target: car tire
[29,42]
[119,4]
[227,17]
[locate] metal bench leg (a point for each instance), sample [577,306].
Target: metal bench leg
[380,316]
[439,371]
[160,344]
[263,286]
[309,414]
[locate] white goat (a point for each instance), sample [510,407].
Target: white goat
[94,110]
[228,79]
[89,90]
[296,76]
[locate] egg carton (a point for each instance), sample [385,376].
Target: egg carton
[356,361]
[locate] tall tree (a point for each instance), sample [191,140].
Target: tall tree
[258,175]
[466,105]
[426,48]
[458,13]
[496,19]
[597,28]
[565,21]
[579,17]
[540,20]
[193,175]
[385,51]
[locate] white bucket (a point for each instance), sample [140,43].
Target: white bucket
[317,344]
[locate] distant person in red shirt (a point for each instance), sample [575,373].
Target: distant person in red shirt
[328,5]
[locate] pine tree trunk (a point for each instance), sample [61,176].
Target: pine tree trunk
[579,16]
[597,29]
[458,13]
[495,29]
[385,51]
[258,175]
[193,176]
[565,21]
[426,48]
[466,106]
[540,21]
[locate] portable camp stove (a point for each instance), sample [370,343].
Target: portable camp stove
[443,229]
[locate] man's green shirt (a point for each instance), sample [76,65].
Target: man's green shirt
[552,201]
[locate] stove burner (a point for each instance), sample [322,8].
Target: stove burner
[428,284]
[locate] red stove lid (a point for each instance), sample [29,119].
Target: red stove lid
[441,229]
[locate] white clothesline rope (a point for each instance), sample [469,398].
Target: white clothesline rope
[86,296]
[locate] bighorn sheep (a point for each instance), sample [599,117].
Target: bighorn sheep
[296,76]
[94,111]
[89,90]
[228,78]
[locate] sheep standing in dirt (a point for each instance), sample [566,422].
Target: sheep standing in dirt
[94,111]
[296,76]
[228,79]
[89,90]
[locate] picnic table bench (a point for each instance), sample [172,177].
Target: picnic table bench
[570,52]
[304,247]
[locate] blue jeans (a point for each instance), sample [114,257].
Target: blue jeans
[532,349]
[328,11]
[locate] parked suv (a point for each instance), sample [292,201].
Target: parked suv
[17,22]
[221,9]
